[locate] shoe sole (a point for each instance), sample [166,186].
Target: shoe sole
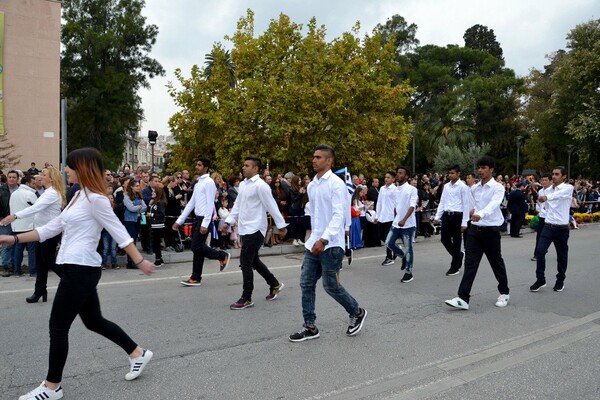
[279,291]
[142,367]
[242,308]
[559,290]
[455,307]
[360,326]
[305,338]
[224,267]
[502,305]
[407,280]
[538,289]
[452,273]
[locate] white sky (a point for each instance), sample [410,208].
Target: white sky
[527,30]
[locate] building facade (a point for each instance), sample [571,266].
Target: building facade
[30,80]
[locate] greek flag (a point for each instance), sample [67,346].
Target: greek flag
[348,179]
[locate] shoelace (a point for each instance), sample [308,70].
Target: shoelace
[353,321]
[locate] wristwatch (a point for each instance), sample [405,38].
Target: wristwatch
[15,216]
[324,241]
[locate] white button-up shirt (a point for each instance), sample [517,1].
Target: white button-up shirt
[328,209]
[202,201]
[488,197]
[456,197]
[541,207]
[405,197]
[558,203]
[22,198]
[81,223]
[250,209]
[46,208]
[385,203]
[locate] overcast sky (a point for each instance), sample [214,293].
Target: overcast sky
[527,30]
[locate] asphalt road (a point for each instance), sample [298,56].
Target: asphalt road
[542,346]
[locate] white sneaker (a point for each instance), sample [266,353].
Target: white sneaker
[295,242]
[459,303]
[300,242]
[502,300]
[42,392]
[137,365]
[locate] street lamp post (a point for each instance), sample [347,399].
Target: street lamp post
[570,148]
[519,138]
[414,135]
[152,136]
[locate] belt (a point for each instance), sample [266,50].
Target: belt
[555,226]
[485,228]
[453,212]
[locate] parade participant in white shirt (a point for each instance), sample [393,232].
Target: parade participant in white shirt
[47,207]
[203,205]
[453,210]
[324,249]
[385,213]
[81,223]
[483,236]
[253,202]
[546,182]
[557,199]
[404,226]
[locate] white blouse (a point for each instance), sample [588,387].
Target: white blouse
[81,223]
[44,209]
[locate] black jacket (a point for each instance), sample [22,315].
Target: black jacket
[4,201]
[517,202]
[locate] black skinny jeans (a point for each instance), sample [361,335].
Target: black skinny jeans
[157,235]
[201,250]
[249,260]
[46,260]
[77,295]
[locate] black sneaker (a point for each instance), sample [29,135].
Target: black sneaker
[407,278]
[356,322]
[537,286]
[305,334]
[559,286]
[387,261]
[452,272]
[403,267]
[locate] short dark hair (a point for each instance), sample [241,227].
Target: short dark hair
[563,170]
[257,161]
[486,161]
[546,175]
[205,161]
[405,170]
[470,174]
[325,147]
[455,167]
[392,173]
[26,179]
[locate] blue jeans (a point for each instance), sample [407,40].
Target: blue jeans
[109,245]
[406,235]
[132,229]
[7,252]
[327,265]
[560,237]
[18,257]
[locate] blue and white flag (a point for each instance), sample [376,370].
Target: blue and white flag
[348,179]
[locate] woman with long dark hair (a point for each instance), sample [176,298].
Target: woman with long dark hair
[134,207]
[47,207]
[81,223]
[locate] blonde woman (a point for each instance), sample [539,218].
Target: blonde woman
[46,208]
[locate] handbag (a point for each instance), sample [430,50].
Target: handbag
[354,213]
[143,219]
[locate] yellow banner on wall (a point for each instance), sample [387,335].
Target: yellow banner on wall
[1,73]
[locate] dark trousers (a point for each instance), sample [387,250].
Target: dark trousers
[46,261]
[482,241]
[157,234]
[249,261]
[77,295]
[132,228]
[452,238]
[538,232]
[169,234]
[384,229]
[516,222]
[201,250]
[560,237]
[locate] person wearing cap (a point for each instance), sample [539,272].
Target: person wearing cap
[517,206]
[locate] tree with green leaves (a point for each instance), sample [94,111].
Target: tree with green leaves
[293,90]
[104,62]
[482,38]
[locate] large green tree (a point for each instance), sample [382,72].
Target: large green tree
[293,90]
[104,63]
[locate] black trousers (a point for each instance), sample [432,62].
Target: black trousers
[482,241]
[516,222]
[77,295]
[384,229]
[145,237]
[201,250]
[538,232]
[249,261]
[559,235]
[452,238]
[46,261]
[157,235]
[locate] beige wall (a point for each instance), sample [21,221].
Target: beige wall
[32,79]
